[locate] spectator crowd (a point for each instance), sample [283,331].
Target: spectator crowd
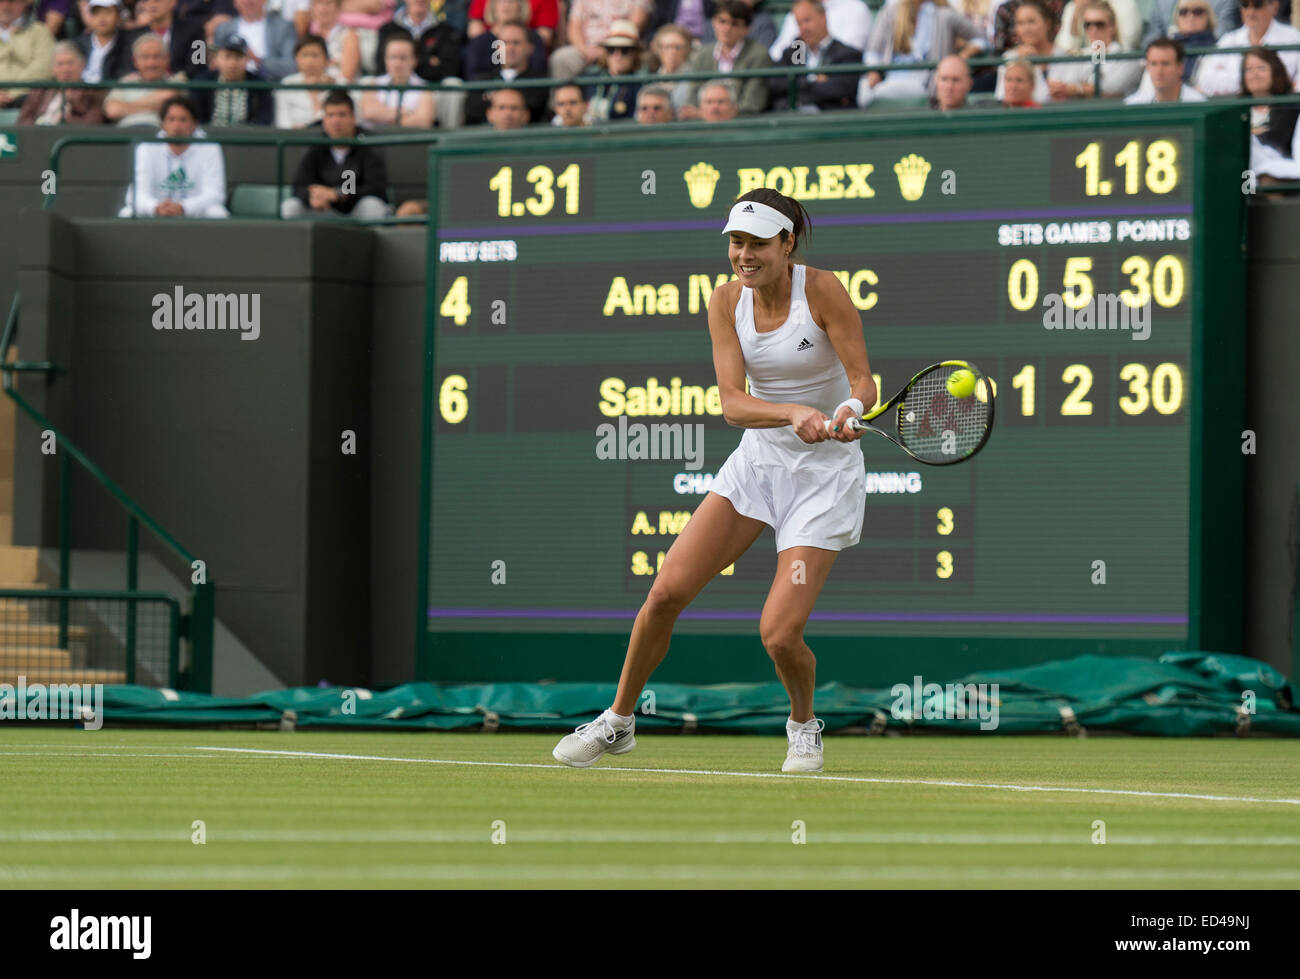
[592,47]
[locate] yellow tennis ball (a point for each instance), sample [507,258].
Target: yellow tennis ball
[961,384]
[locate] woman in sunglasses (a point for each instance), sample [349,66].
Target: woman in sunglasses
[612,99]
[1195,26]
[1074,80]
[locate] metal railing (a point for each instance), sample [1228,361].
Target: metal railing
[196,626]
[791,72]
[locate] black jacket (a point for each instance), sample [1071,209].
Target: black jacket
[437,50]
[318,167]
[1281,128]
[118,61]
[261,102]
[534,98]
[837,92]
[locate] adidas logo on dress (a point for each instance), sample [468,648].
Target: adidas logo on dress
[804,344]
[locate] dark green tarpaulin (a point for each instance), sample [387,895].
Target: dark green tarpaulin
[1178,694]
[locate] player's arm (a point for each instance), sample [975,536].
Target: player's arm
[843,328]
[739,408]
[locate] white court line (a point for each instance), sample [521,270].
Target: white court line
[83,753]
[800,777]
[724,873]
[219,836]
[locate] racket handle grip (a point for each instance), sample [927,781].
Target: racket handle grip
[853,422]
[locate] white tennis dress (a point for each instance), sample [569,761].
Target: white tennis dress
[811,494]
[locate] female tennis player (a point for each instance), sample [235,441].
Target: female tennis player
[795,334]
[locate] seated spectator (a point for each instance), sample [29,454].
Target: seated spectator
[339,180]
[1004,23]
[570,106]
[848,21]
[1034,31]
[718,101]
[1073,36]
[515,50]
[105,47]
[732,51]
[26,50]
[909,31]
[588,23]
[1163,81]
[952,83]
[762,28]
[1196,26]
[669,50]
[270,38]
[1274,136]
[341,43]
[53,14]
[184,38]
[478,52]
[506,109]
[234,106]
[1165,21]
[1018,85]
[409,108]
[140,106]
[541,16]
[296,108]
[367,15]
[175,180]
[1074,80]
[437,43]
[1220,74]
[55,106]
[654,104]
[609,101]
[814,47]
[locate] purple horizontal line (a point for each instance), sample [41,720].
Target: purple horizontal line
[930,217]
[592,613]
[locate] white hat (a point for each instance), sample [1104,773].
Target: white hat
[757,219]
[104,3]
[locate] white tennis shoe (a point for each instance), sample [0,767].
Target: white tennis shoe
[805,746]
[604,735]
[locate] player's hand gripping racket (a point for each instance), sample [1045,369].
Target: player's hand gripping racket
[945,414]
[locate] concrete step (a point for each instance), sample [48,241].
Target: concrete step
[20,565]
[23,659]
[42,636]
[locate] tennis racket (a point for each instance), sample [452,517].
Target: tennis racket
[934,425]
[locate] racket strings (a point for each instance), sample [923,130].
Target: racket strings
[938,427]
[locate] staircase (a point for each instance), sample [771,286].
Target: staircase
[29,631]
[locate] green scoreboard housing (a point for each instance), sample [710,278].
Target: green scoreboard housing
[1089,261]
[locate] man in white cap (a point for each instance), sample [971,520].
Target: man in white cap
[105,46]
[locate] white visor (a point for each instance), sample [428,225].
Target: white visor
[757,219]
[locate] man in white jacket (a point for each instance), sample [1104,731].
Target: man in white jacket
[178,179]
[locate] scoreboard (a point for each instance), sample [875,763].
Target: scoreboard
[1088,261]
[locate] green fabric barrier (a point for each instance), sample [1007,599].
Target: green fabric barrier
[1179,694]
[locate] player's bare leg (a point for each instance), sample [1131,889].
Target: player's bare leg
[714,537]
[785,613]
[800,574]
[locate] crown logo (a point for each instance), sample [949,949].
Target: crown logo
[701,181]
[912,171]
